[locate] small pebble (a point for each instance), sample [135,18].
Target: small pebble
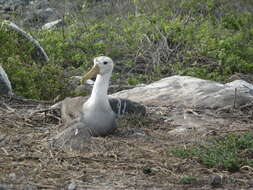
[216,181]
[12,176]
[72,186]
[250,182]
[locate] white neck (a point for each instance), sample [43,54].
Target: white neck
[100,88]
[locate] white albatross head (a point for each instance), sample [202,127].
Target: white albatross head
[102,66]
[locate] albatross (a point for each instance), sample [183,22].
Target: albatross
[97,114]
[96,117]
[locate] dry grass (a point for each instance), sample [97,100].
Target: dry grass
[136,157]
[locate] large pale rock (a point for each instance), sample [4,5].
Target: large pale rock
[38,52]
[182,102]
[11,5]
[5,84]
[191,92]
[38,16]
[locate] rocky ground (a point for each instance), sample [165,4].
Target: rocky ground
[137,156]
[34,13]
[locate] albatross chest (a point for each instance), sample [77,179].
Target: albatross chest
[100,119]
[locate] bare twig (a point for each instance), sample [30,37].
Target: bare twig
[10,110]
[30,100]
[235,130]
[5,151]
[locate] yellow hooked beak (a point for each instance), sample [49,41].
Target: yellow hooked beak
[92,73]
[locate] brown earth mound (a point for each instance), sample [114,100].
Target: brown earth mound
[137,156]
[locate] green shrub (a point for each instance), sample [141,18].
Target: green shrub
[34,81]
[29,78]
[210,39]
[230,152]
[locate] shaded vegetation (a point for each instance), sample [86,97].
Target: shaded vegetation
[148,40]
[229,153]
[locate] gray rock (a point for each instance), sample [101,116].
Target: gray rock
[72,186]
[185,101]
[191,92]
[186,94]
[38,52]
[216,181]
[41,12]
[5,84]
[10,5]
[12,176]
[38,17]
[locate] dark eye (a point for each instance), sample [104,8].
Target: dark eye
[105,62]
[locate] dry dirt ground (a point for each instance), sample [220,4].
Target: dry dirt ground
[136,157]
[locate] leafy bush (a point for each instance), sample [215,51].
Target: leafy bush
[29,78]
[230,152]
[210,39]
